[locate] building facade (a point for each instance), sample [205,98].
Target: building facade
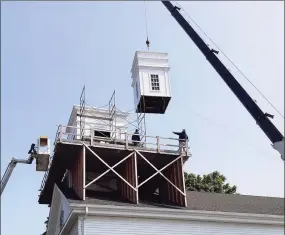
[206,213]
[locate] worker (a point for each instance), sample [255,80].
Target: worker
[183,137]
[136,138]
[32,150]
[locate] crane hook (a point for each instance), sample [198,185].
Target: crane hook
[147,43]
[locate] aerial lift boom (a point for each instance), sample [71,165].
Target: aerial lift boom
[41,156]
[10,169]
[261,118]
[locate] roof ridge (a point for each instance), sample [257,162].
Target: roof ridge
[235,194]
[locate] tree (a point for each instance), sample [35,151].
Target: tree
[213,182]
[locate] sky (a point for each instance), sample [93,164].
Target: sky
[49,50]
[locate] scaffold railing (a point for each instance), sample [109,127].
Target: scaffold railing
[119,139]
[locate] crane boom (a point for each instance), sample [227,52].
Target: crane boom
[261,118]
[10,169]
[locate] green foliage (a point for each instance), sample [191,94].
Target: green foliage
[213,182]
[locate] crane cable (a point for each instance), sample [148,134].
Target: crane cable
[146,28]
[232,62]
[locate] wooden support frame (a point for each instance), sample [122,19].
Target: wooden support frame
[110,169]
[131,174]
[159,172]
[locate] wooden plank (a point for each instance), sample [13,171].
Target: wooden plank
[77,176]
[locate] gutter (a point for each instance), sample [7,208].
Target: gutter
[174,214]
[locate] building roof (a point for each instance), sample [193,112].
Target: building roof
[203,201]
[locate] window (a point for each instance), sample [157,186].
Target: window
[154,82]
[105,134]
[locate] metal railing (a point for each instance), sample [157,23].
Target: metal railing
[155,143]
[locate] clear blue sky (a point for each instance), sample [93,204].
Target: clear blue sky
[50,49]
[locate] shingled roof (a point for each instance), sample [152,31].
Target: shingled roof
[209,202]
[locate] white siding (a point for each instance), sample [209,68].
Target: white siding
[96,119]
[145,80]
[123,226]
[102,124]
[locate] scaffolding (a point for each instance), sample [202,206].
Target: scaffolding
[141,123]
[132,123]
[82,113]
[112,115]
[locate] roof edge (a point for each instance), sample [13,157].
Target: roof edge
[176,214]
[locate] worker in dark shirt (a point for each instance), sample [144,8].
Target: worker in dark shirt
[136,138]
[183,137]
[32,149]
[32,153]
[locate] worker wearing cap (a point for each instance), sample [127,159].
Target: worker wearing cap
[183,137]
[136,138]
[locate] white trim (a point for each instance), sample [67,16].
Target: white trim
[177,214]
[136,175]
[159,59]
[153,68]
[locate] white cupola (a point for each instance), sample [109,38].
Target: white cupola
[151,82]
